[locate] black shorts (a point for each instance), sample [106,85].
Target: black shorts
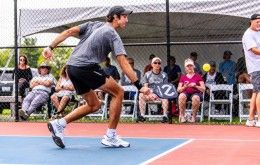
[189,96]
[86,78]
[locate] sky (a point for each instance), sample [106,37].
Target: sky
[7,14]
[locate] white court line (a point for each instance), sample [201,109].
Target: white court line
[166,152]
[128,137]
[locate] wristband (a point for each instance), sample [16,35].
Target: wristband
[138,85]
[51,47]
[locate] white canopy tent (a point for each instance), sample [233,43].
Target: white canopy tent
[190,21]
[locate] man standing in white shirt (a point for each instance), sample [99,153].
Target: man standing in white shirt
[251,45]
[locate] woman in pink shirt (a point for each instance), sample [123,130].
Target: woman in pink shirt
[191,87]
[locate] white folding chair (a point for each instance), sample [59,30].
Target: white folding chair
[244,100]
[129,106]
[102,112]
[228,92]
[153,111]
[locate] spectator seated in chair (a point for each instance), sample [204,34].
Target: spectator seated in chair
[152,77]
[191,87]
[64,92]
[39,95]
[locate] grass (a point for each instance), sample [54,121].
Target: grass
[5,116]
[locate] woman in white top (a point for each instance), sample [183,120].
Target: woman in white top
[64,93]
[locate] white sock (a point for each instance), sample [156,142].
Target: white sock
[111,132]
[62,122]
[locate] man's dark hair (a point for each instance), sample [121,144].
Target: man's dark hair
[194,54]
[151,56]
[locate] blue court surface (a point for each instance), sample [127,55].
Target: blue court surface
[80,150]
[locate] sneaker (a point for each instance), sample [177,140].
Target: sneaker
[164,119]
[141,119]
[23,114]
[57,132]
[115,141]
[182,119]
[257,124]
[251,123]
[191,119]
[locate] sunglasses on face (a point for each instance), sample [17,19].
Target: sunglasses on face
[22,59]
[189,66]
[157,63]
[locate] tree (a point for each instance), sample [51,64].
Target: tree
[4,56]
[32,54]
[60,58]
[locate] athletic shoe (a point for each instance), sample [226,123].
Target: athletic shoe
[182,119]
[251,123]
[164,119]
[257,124]
[57,132]
[114,141]
[23,114]
[191,119]
[140,118]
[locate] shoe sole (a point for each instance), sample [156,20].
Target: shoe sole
[23,115]
[113,146]
[57,140]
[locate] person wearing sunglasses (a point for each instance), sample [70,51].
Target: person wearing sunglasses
[24,75]
[191,88]
[150,79]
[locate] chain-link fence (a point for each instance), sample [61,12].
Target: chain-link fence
[207,31]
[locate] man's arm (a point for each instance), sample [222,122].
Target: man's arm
[74,31]
[126,68]
[256,51]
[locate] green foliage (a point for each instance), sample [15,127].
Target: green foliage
[32,54]
[35,58]
[60,58]
[4,55]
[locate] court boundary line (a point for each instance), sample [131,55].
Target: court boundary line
[166,152]
[128,137]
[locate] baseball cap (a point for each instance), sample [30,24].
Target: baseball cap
[156,58]
[227,52]
[118,10]
[255,16]
[188,62]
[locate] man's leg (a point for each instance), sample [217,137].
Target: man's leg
[117,93]
[56,127]
[111,139]
[258,105]
[93,104]
[252,109]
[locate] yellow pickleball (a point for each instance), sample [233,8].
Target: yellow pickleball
[206,67]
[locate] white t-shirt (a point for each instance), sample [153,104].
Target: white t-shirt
[210,80]
[251,39]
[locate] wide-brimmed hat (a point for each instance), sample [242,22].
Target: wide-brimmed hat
[44,65]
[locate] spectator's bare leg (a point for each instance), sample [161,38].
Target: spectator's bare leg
[165,105]
[63,103]
[195,105]
[182,104]
[142,103]
[55,101]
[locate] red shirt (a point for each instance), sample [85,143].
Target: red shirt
[196,78]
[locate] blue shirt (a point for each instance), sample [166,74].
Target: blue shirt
[228,70]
